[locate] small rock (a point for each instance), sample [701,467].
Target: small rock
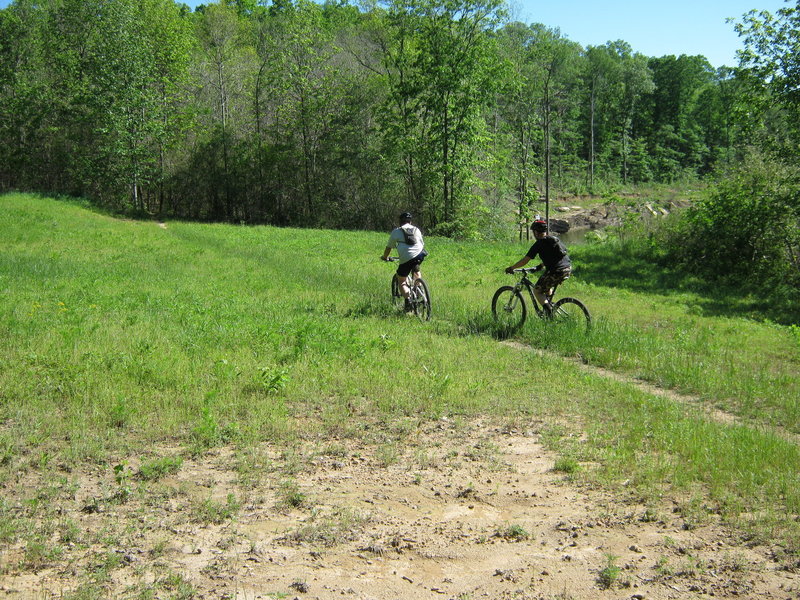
[300,586]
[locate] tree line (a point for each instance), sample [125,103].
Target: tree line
[305,114]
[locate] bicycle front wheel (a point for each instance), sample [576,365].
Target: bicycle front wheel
[422,300]
[572,312]
[509,308]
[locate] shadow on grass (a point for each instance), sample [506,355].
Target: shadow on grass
[542,332]
[626,267]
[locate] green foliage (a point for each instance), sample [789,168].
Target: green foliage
[610,573]
[771,70]
[212,511]
[746,228]
[336,116]
[155,469]
[39,554]
[795,330]
[329,528]
[567,465]
[513,532]
[122,475]
[273,380]
[290,496]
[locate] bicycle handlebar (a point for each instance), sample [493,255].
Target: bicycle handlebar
[529,269]
[392,259]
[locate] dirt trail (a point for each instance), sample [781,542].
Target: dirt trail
[462,512]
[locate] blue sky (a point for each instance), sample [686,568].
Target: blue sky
[651,27]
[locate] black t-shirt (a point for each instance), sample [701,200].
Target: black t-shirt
[552,252]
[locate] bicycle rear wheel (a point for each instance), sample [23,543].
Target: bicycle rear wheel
[422,300]
[572,312]
[397,295]
[508,308]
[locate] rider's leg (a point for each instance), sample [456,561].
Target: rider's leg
[546,285]
[542,298]
[404,289]
[416,271]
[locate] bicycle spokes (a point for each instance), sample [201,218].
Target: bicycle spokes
[571,312]
[421,300]
[508,309]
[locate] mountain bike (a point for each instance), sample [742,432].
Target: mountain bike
[419,298]
[510,311]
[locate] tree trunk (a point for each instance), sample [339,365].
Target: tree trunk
[591,137]
[547,157]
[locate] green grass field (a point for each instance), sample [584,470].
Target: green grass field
[118,335]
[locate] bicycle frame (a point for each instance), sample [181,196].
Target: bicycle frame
[419,294]
[510,310]
[411,277]
[526,283]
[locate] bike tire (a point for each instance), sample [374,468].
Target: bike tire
[572,312]
[397,295]
[508,309]
[422,304]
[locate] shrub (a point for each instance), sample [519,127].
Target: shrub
[749,221]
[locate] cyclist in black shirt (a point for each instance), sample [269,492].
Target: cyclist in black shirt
[554,257]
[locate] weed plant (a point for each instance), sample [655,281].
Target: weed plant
[117,335]
[610,573]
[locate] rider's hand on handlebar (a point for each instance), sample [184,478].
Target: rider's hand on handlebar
[509,270]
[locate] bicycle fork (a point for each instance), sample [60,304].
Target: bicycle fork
[514,299]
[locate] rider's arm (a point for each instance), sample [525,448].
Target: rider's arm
[391,243]
[520,263]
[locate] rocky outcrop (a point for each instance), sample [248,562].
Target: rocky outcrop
[574,217]
[570,217]
[559,225]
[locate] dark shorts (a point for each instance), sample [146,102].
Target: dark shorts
[551,279]
[412,265]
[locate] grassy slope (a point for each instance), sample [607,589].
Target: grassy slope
[117,335]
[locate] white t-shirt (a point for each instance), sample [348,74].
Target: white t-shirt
[397,239]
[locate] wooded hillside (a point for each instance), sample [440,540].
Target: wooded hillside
[298,113]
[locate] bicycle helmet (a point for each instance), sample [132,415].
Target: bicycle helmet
[539,225]
[405,217]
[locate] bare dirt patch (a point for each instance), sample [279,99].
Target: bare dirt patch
[459,512]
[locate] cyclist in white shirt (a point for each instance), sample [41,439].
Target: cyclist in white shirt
[407,238]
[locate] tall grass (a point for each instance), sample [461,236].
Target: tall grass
[118,335]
